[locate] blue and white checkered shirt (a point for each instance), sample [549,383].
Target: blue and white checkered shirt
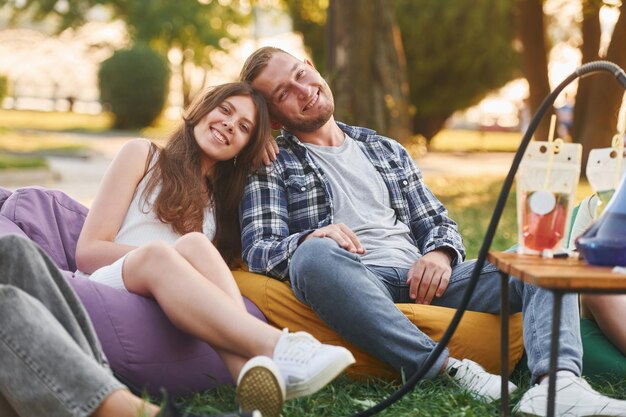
[282,206]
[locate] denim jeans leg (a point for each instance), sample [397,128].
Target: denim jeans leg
[353,301]
[536,305]
[51,362]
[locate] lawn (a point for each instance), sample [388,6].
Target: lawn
[26,137]
[470,202]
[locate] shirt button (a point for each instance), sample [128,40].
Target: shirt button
[303,189]
[405,182]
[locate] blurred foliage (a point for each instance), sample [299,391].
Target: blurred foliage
[4,87]
[456,51]
[470,202]
[196,28]
[309,19]
[134,84]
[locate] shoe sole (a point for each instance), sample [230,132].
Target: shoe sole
[322,378]
[260,388]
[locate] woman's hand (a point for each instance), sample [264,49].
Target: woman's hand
[268,154]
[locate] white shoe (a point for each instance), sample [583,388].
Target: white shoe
[479,383]
[308,365]
[260,387]
[574,398]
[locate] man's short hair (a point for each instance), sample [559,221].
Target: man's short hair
[257,63]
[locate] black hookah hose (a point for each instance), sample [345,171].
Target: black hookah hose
[586,69]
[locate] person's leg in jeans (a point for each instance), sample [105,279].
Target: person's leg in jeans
[354,302]
[51,362]
[536,307]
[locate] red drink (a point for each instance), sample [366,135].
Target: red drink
[543,231]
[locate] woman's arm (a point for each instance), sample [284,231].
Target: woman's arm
[95,247]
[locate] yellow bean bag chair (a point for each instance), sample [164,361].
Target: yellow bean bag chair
[476,338]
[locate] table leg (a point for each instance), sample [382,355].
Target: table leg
[504,344]
[554,351]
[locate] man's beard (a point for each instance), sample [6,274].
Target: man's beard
[310,125]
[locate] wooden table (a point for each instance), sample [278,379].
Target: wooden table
[559,276]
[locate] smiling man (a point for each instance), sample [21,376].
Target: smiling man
[344,214]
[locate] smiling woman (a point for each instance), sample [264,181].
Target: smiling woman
[165,225]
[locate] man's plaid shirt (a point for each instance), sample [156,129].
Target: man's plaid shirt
[293,198]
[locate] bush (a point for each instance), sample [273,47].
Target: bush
[133,86]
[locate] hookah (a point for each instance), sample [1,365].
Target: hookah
[604,243]
[608,242]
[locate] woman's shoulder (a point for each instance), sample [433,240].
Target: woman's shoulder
[131,159]
[136,149]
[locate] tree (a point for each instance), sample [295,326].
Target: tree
[445,42]
[590,28]
[600,105]
[598,98]
[368,72]
[4,87]
[309,18]
[531,32]
[196,27]
[457,52]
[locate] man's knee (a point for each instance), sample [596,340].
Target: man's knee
[313,254]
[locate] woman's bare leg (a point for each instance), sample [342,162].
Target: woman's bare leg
[609,311]
[198,250]
[198,306]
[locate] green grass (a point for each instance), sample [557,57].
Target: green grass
[450,140]
[53,121]
[470,201]
[21,162]
[26,137]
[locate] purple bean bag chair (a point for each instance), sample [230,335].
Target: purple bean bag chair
[143,347]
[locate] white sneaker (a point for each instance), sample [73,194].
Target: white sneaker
[308,365]
[260,387]
[574,398]
[479,383]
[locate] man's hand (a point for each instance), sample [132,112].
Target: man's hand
[268,153]
[429,276]
[341,234]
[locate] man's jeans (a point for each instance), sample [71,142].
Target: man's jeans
[358,303]
[51,363]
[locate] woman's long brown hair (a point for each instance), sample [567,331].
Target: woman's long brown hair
[186,192]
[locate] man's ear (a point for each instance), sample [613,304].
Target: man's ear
[309,63]
[275,125]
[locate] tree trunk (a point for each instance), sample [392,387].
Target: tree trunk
[428,126]
[605,96]
[368,72]
[531,30]
[589,50]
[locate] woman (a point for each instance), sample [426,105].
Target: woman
[150,231]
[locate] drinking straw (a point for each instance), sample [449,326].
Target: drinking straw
[554,146]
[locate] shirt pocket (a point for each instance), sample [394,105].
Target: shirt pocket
[300,183]
[305,201]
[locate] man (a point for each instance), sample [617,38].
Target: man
[344,214]
[51,362]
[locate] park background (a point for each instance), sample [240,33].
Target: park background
[455,81]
